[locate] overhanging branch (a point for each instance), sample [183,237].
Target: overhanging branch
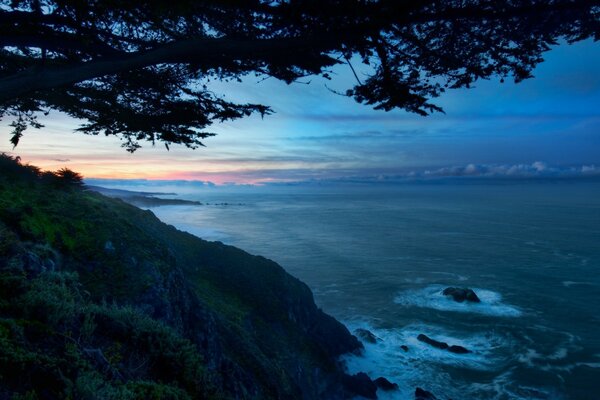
[204,52]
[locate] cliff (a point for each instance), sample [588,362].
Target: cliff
[99,299]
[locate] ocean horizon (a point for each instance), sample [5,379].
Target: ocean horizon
[379,259]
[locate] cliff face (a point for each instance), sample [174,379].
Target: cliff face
[98,296]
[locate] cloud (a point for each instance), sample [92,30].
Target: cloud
[589,169]
[535,170]
[342,176]
[368,135]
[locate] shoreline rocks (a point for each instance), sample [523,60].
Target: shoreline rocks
[421,394]
[385,385]
[365,335]
[360,384]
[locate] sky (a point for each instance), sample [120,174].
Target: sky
[548,123]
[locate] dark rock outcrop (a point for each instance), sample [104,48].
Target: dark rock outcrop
[365,335]
[442,345]
[432,342]
[458,349]
[383,384]
[461,294]
[361,385]
[421,394]
[404,347]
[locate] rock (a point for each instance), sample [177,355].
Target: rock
[461,294]
[443,345]
[404,347]
[365,335]
[421,394]
[458,349]
[360,384]
[432,342]
[384,384]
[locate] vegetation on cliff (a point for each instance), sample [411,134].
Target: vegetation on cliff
[99,299]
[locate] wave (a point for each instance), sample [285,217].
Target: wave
[504,387]
[432,297]
[423,365]
[433,369]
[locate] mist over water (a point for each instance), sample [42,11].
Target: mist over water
[378,257]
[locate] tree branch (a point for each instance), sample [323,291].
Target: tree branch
[217,52]
[204,52]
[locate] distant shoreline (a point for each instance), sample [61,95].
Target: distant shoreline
[142,199]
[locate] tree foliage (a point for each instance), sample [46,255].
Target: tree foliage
[13,169]
[143,70]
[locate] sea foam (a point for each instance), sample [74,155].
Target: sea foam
[422,365]
[432,297]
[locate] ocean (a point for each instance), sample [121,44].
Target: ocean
[379,256]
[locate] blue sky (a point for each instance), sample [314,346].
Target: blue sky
[315,134]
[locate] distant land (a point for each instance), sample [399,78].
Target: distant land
[142,199]
[537,171]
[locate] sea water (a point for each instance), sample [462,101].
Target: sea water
[379,256]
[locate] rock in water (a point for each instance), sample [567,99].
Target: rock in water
[461,294]
[404,347]
[365,335]
[421,394]
[458,349]
[360,384]
[432,342]
[384,384]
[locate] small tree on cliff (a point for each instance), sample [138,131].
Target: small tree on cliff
[142,70]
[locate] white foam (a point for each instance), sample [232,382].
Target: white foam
[503,387]
[432,297]
[422,365]
[451,274]
[557,360]
[531,357]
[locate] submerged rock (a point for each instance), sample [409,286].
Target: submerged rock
[365,335]
[384,384]
[421,394]
[404,347]
[432,342]
[461,294]
[360,384]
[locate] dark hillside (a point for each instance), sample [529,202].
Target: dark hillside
[99,299]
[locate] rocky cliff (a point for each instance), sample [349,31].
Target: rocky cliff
[99,299]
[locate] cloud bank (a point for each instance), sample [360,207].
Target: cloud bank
[537,170]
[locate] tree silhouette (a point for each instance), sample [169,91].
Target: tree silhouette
[69,178]
[143,70]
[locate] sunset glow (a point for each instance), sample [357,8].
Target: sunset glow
[315,134]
